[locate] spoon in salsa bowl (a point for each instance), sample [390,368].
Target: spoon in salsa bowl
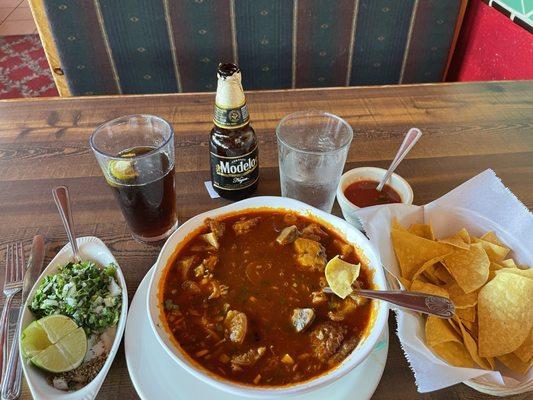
[410,139]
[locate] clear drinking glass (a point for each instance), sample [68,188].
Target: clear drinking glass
[312,150]
[136,155]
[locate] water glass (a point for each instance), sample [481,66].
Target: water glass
[312,150]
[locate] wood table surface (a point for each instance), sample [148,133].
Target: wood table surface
[467,127]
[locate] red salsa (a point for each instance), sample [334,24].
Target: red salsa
[364,194]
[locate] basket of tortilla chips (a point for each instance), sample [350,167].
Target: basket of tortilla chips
[478,254]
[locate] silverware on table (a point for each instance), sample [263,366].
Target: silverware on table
[416,301]
[11,383]
[14,274]
[62,200]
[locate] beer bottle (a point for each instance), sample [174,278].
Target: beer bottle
[233,143]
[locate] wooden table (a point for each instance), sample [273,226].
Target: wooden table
[467,128]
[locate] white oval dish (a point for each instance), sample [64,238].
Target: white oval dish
[349,210]
[346,230]
[91,248]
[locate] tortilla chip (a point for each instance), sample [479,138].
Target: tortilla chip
[514,363]
[429,275]
[422,230]
[442,274]
[469,268]
[413,251]
[454,354]
[494,251]
[458,240]
[438,331]
[468,314]
[396,225]
[340,276]
[405,282]
[470,327]
[525,351]
[505,314]
[455,325]
[459,297]
[418,286]
[491,237]
[471,346]
[428,265]
[526,273]
[463,234]
[509,263]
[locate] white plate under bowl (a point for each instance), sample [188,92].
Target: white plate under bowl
[93,249]
[156,376]
[365,250]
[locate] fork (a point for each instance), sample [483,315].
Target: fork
[14,274]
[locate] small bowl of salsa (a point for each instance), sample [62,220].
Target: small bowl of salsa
[357,189]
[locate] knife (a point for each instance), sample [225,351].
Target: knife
[11,383]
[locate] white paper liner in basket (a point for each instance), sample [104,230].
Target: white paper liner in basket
[481,204]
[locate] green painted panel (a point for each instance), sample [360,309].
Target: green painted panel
[264,38]
[517,5]
[202,36]
[140,45]
[431,37]
[380,38]
[81,48]
[324,31]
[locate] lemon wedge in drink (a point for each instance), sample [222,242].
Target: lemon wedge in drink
[122,169]
[54,343]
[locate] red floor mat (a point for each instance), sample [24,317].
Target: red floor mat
[24,70]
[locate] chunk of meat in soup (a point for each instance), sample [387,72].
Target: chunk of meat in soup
[301,318]
[288,235]
[244,226]
[211,239]
[327,338]
[318,297]
[216,227]
[314,232]
[342,308]
[185,266]
[345,250]
[236,325]
[345,349]
[248,358]
[310,254]
[191,288]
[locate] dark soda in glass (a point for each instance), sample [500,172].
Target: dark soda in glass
[145,190]
[136,155]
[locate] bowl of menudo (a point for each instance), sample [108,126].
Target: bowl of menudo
[236,297]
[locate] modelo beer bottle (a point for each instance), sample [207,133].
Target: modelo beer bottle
[233,143]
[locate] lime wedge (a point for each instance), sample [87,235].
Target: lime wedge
[57,326]
[42,333]
[34,340]
[122,169]
[65,355]
[340,276]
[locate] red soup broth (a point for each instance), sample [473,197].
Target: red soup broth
[365,194]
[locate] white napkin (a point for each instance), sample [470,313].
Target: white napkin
[481,204]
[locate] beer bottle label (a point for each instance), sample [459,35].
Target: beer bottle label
[235,173]
[231,118]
